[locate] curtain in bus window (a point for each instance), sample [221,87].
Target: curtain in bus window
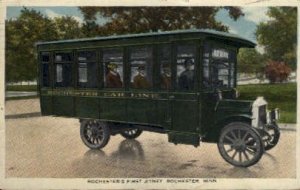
[63,57]
[59,75]
[87,69]
[63,69]
[113,68]
[82,72]
[185,67]
[141,67]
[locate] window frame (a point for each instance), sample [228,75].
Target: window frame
[157,67]
[152,58]
[42,69]
[218,45]
[77,62]
[72,65]
[102,68]
[175,44]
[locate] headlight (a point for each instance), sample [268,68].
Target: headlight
[269,116]
[274,115]
[277,116]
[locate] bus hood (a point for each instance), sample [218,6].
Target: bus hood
[234,106]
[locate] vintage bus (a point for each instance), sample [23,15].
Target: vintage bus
[181,83]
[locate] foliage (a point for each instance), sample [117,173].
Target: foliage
[279,35]
[250,61]
[29,88]
[282,96]
[277,71]
[122,20]
[22,34]
[67,28]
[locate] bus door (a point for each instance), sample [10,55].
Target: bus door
[184,100]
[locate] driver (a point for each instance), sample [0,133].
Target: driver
[186,78]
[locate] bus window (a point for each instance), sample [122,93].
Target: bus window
[165,67]
[63,69]
[113,68]
[87,69]
[220,73]
[141,67]
[45,58]
[185,67]
[222,64]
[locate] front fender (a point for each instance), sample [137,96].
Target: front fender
[213,133]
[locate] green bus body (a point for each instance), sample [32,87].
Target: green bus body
[186,116]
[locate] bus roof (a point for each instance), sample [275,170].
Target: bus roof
[211,33]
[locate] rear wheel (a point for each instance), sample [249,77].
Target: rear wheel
[240,144]
[94,134]
[131,133]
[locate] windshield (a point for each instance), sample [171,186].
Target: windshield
[218,67]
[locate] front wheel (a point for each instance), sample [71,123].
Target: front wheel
[240,144]
[271,136]
[94,134]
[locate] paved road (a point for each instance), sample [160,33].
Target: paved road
[51,147]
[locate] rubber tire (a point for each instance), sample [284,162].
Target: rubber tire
[133,136]
[106,134]
[254,133]
[275,139]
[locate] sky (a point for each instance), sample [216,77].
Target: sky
[245,26]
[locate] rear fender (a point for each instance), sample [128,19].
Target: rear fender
[212,135]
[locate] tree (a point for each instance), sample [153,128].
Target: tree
[21,35]
[279,35]
[122,20]
[277,71]
[67,28]
[251,61]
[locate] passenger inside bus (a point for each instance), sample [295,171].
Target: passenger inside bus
[165,77]
[113,79]
[140,80]
[186,78]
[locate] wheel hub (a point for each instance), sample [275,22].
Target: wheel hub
[239,146]
[95,131]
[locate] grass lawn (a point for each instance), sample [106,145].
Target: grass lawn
[21,88]
[283,96]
